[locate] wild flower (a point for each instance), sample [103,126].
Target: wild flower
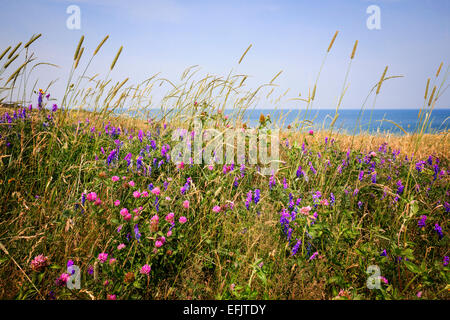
[170,217]
[446,261]
[136,194]
[92,196]
[420,165]
[131,183]
[400,186]
[249,199]
[62,279]
[186,204]
[216,209]
[313,256]
[146,269]
[39,263]
[180,165]
[296,246]
[438,230]
[121,246]
[299,172]
[272,181]
[285,184]
[311,167]
[182,219]
[421,223]
[111,297]
[316,197]
[90,270]
[137,234]
[156,191]
[332,199]
[257,196]
[305,210]
[115,178]
[154,221]
[103,257]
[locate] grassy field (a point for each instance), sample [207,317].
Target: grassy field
[101,191]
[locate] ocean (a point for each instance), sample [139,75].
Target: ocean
[351,121]
[348,119]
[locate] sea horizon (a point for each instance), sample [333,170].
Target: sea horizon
[371,121]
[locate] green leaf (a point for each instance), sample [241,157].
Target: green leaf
[412,267]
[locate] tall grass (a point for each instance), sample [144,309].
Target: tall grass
[230,246]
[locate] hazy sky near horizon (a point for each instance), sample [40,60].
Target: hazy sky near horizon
[293,36]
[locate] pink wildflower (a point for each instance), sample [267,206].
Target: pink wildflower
[180,165]
[62,280]
[91,196]
[146,269]
[136,194]
[39,262]
[156,191]
[115,178]
[170,217]
[186,204]
[182,220]
[305,210]
[103,257]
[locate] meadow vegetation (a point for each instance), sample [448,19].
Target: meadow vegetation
[83,183]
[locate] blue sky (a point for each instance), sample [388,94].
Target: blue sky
[169,36]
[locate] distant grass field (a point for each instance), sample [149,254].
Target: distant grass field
[102,192]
